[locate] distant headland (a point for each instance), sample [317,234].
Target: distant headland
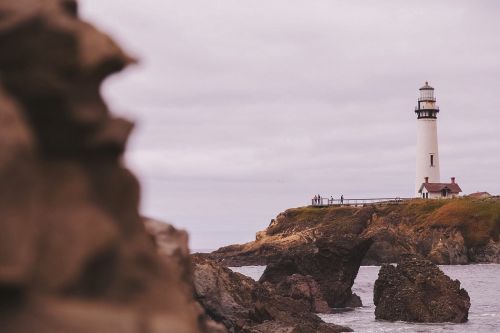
[456,231]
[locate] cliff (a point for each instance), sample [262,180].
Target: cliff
[458,231]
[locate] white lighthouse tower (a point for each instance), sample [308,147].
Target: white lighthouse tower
[427,139]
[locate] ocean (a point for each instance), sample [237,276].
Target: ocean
[482,282]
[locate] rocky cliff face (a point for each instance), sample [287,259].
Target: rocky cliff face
[332,262]
[458,231]
[74,254]
[246,306]
[416,290]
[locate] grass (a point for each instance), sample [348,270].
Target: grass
[310,216]
[421,209]
[478,220]
[317,214]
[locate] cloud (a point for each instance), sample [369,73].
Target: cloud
[248,108]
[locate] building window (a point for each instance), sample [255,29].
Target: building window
[432,160]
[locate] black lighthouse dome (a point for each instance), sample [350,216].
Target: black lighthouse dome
[427,86]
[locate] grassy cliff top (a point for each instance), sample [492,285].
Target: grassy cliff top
[416,225]
[477,219]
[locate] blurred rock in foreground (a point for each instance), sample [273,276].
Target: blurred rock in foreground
[172,246]
[418,291]
[74,255]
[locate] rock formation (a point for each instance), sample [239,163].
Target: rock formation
[332,262]
[457,231]
[74,254]
[246,306]
[305,288]
[172,246]
[416,290]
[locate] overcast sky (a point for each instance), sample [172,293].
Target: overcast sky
[247,108]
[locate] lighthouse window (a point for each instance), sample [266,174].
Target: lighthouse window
[432,160]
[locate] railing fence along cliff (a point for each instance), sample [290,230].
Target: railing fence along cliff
[324,202]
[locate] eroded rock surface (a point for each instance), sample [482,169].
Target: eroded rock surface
[303,287]
[74,254]
[246,306]
[332,262]
[416,290]
[172,246]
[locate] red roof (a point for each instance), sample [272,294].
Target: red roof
[479,194]
[438,187]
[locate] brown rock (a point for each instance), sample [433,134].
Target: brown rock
[298,286]
[244,305]
[172,246]
[333,263]
[74,254]
[418,291]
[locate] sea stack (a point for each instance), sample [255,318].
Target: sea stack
[416,290]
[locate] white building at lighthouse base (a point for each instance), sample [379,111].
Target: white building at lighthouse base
[439,190]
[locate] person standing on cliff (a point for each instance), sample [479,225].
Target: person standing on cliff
[342,199]
[315,200]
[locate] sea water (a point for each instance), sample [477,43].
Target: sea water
[482,282]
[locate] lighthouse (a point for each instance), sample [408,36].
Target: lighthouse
[427,139]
